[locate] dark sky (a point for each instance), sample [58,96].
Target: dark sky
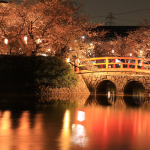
[126,12]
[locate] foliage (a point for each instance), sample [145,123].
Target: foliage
[52,71]
[140,40]
[48,24]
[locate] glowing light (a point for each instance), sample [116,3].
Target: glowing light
[25,39]
[49,50]
[44,55]
[39,41]
[113,51]
[140,51]
[6,41]
[79,135]
[40,54]
[130,54]
[81,116]
[118,61]
[108,94]
[66,119]
[83,37]
[65,132]
[91,44]
[68,60]
[5,122]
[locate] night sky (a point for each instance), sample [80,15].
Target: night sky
[126,12]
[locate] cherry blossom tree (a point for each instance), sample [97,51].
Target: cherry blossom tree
[49,26]
[140,40]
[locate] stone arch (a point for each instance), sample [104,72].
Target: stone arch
[104,85]
[133,86]
[106,92]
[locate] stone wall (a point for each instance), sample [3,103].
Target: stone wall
[74,93]
[15,93]
[120,79]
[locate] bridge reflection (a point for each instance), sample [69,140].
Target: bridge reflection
[134,88]
[102,99]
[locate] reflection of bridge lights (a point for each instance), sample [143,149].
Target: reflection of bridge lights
[79,135]
[81,116]
[108,94]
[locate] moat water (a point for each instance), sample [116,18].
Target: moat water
[122,123]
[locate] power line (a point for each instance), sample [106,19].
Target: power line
[132,11]
[127,20]
[123,13]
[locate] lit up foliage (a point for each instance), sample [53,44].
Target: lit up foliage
[135,42]
[140,40]
[123,47]
[56,23]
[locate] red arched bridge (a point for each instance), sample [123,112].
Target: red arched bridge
[122,75]
[113,64]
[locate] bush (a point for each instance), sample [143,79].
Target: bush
[52,71]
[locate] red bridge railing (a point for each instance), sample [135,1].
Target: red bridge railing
[113,64]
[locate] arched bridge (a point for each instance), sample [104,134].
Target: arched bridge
[121,75]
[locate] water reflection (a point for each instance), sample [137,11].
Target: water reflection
[96,127]
[65,132]
[136,100]
[101,99]
[96,124]
[79,135]
[20,136]
[104,100]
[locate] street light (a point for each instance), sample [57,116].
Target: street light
[130,54]
[113,51]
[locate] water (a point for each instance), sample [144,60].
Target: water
[97,125]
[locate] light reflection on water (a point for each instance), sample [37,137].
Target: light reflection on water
[92,127]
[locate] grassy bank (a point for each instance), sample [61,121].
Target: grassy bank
[52,71]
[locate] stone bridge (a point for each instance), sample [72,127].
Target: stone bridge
[116,75]
[120,82]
